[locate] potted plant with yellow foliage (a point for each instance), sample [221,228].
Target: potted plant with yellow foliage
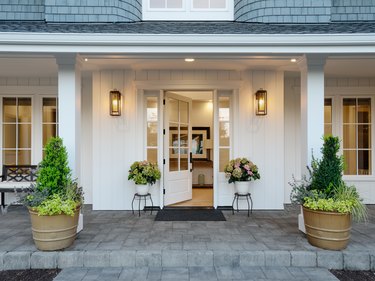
[54,202]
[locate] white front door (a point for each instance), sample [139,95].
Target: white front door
[177,149]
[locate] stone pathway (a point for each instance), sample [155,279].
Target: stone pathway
[197,274]
[121,239]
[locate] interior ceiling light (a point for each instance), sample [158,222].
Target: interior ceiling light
[86,59]
[293,60]
[189,59]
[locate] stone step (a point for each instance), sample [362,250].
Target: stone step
[350,260]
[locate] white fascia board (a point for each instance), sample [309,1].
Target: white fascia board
[186,43]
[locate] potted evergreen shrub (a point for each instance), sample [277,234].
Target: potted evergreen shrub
[54,202]
[241,171]
[329,204]
[144,174]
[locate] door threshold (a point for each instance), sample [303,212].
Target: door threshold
[189,207]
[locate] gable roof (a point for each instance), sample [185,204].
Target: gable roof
[178,27]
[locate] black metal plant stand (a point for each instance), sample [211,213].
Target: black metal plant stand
[248,199]
[139,198]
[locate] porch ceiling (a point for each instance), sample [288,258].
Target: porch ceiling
[45,66]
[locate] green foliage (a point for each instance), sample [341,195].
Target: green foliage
[54,173]
[144,172]
[327,172]
[55,192]
[56,205]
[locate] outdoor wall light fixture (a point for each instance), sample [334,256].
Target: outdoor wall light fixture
[115,103]
[261,102]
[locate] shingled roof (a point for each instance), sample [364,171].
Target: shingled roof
[178,27]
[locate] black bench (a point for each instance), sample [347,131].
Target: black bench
[16,178]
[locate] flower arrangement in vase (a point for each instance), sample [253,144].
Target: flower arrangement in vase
[144,174]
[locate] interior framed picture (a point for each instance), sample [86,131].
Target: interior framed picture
[198,140]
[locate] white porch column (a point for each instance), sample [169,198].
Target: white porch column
[69,94]
[312,107]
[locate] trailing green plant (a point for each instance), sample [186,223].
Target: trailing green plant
[54,173]
[327,173]
[358,210]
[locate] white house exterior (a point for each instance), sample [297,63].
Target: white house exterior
[58,64]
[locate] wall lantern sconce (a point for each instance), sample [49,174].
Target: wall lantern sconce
[261,102]
[115,103]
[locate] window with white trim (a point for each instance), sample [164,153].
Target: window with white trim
[357,142]
[152,128]
[327,116]
[16,131]
[188,10]
[225,128]
[49,119]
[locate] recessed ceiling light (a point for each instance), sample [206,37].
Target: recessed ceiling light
[293,60]
[86,59]
[189,59]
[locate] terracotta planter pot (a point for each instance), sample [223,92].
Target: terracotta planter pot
[54,232]
[327,230]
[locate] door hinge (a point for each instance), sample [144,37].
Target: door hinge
[163,161]
[163,101]
[163,190]
[163,131]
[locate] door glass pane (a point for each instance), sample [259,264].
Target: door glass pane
[9,157]
[173,110]
[364,162]
[24,136]
[173,135]
[184,112]
[24,157]
[9,135]
[223,158]
[327,110]
[152,134]
[327,130]
[364,110]
[152,155]
[49,131]
[49,110]
[9,110]
[350,136]
[173,159]
[152,109]
[349,111]
[364,136]
[350,158]
[184,136]
[24,110]
[184,162]
[224,133]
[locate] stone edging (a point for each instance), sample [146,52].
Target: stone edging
[351,260]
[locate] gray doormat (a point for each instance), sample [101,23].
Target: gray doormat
[189,215]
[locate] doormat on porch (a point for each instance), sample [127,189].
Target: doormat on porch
[189,215]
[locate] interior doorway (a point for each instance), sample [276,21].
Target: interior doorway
[188,118]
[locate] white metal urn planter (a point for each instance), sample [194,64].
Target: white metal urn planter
[242,187]
[142,189]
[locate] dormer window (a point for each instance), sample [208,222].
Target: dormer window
[188,10]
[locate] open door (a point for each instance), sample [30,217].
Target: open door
[177,149]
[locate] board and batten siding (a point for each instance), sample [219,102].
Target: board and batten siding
[336,88]
[118,141]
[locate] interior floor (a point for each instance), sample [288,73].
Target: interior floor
[202,197]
